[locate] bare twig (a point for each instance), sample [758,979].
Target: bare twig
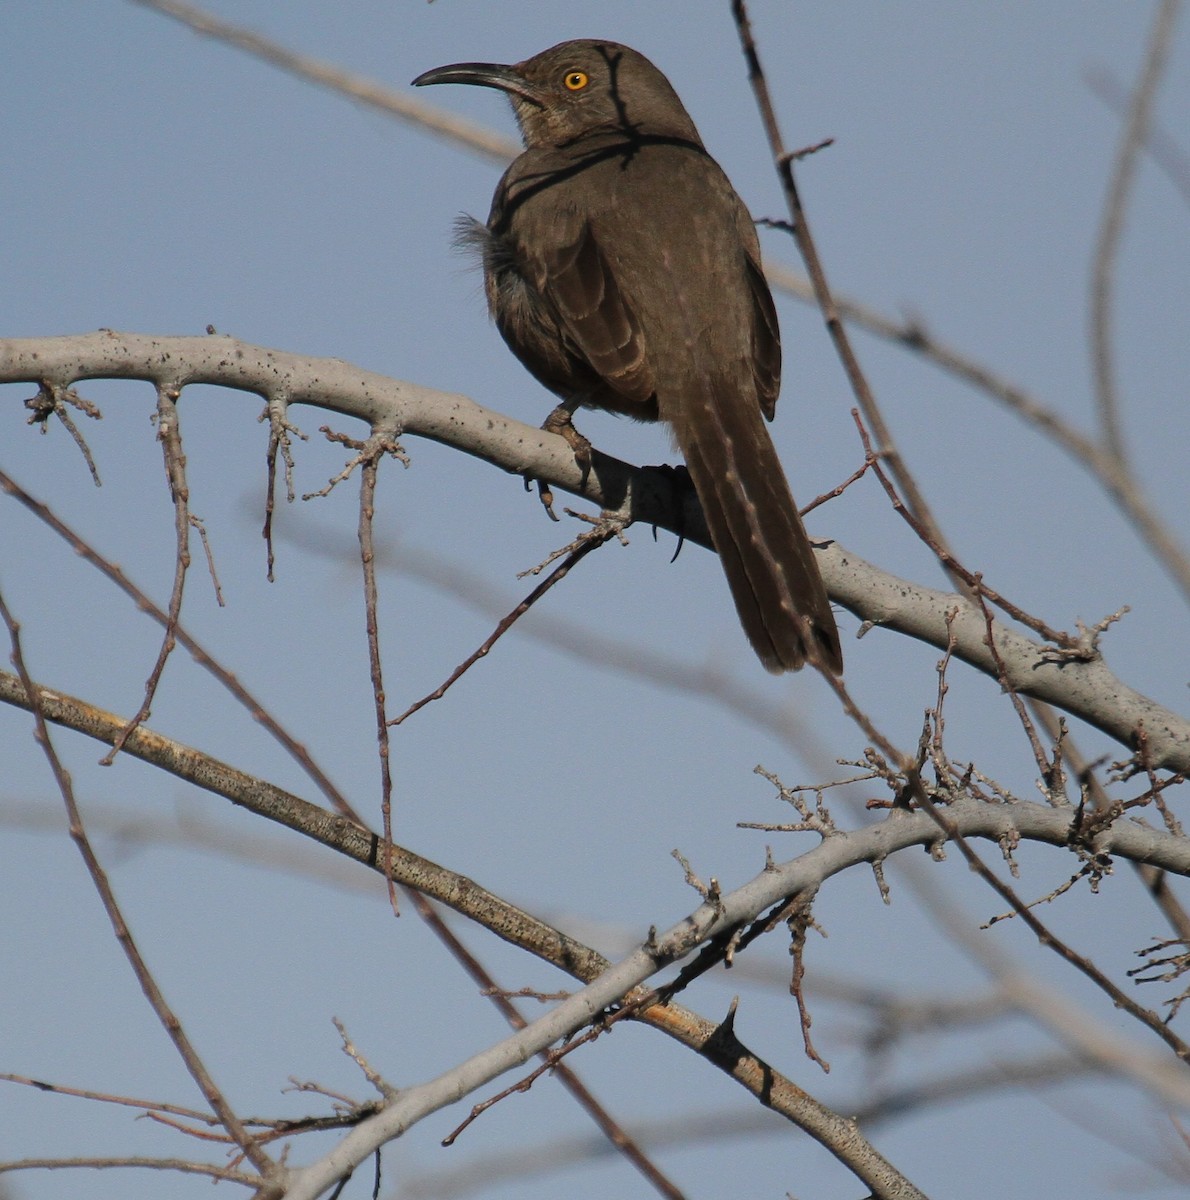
[381,442]
[52,400]
[1111,475]
[170,436]
[976,588]
[822,292]
[1022,713]
[1131,144]
[198,652]
[281,434]
[522,1085]
[153,1106]
[616,1134]
[1160,144]
[169,1020]
[575,553]
[394,104]
[800,919]
[181,1165]
[199,524]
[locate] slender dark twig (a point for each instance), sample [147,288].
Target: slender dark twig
[907,485]
[615,1133]
[196,650]
[380,443]
[592,540]
[976,587]
[156,998]
[1160,144]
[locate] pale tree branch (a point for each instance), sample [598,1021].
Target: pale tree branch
[346,83]
[712,1041]
[1079,682]
[717,918]
[998,823]
[838,853]
[716,1043]
[1112,475]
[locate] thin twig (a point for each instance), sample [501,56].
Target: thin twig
[196,650]
[1160,144]
[615,1133]
[799,918]
[1132,142]
[281,431]
[170,436]
[378,445]
[394,104]
[52,400]
[583,546]
[1120,485]
[168,1018]
[550,1059]
[976,588]
[1018,705]
[181,1165]
[200,525]
[814,268]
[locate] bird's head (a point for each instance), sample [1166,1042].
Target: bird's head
[579,87]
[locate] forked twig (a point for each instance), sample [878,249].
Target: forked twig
[169,435]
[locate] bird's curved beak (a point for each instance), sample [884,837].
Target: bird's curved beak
[493,75]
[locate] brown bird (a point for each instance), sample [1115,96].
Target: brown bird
[624,272]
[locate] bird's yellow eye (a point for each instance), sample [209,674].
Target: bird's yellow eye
[575,81]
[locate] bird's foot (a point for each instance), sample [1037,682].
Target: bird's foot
[561,422]
[677,478]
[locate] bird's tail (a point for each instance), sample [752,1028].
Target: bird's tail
[755,525]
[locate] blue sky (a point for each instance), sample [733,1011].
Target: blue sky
[158,182]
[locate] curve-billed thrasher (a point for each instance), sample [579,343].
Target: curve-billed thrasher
[624,272]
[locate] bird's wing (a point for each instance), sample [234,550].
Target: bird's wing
[766,340]
[595,318]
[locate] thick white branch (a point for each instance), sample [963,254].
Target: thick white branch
[1086,689]
[1156,1071]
